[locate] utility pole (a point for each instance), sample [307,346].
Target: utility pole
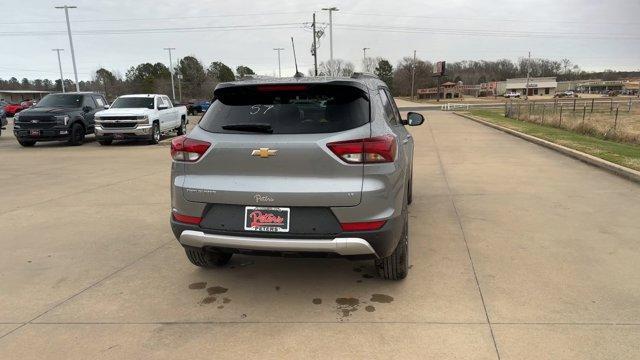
[279,68]
[364,59]
[526,96]
[173,87]
[73,55]
[315,49]
[60,66]
[413,74]
[331,10]
[180,88]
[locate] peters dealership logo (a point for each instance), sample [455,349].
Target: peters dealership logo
[262,198]
[260,219]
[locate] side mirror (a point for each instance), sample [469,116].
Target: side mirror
[162,107]
[86,109]
[107,106]
[414,119]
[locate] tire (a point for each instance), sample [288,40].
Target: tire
[26,143]
[77,135]
[396,265]
[155,134]
[183,127]
[105,142]
[207,259]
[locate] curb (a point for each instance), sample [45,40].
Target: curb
[616,169]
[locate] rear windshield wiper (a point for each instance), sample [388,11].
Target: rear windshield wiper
[257,127]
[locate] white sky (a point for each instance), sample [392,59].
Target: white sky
[596,35]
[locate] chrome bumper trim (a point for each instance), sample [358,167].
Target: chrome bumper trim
[342,246]
[144,129]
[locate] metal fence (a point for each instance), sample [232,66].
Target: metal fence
[618,119]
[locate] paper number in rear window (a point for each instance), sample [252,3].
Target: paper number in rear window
[294,110]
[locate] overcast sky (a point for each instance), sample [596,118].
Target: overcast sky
[117,34]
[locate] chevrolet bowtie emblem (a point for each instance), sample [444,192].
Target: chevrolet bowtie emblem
[264,152]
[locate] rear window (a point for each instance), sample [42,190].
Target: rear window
[287,109]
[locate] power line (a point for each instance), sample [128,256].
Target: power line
[157,30]
[160,18]
[529,20]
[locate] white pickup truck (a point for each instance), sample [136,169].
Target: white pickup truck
[141,116]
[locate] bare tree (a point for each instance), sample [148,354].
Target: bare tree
[335,67]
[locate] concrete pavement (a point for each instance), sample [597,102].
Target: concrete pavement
[516,251]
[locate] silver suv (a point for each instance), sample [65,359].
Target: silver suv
[296,166]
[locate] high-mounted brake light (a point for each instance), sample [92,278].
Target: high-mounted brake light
[188,150]
[363,226]
[380,149]
[273,88]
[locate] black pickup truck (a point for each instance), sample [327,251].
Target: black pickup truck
[62,117]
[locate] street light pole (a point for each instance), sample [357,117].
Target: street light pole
[73,55]
[179,88]
[279,68]
[173,87]
[331,10]
[413,74]
[60,66]
[364,59]
[526,96]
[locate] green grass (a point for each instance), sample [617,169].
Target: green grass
[619,153]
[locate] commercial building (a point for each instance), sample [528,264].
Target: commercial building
[537,86]
[448,90]
[14,96]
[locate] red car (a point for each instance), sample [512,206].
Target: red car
[12,109]
[15,108]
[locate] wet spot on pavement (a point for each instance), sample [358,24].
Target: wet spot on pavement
[317,301]
[226,300]
[220,306]
[359,280]
[367,276]
[216,290]
[277,288]
[347,305]
[209,300]
[381,298]
[243,316]
[197,285]
[370,308]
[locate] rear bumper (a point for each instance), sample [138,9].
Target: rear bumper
[370,244]
[340,246]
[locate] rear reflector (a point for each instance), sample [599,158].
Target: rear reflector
[193,220]
[363,226]
[188,150]
[379,149]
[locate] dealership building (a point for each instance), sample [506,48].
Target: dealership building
[537,86]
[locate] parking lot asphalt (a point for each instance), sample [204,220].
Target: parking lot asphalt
[517,252]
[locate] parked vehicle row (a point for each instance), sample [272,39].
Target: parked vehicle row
[71,116]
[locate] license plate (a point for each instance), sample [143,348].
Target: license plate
[118,136]
[34,132]
[269,219]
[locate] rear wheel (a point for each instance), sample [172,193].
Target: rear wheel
[26,143]
[207,259]
[155,134]
[77,135]
[183,127]
[396,265]
[105,141]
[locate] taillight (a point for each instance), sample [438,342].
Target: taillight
[362,226]
[193,220]
[276,88]
[186,149]
[379,149]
